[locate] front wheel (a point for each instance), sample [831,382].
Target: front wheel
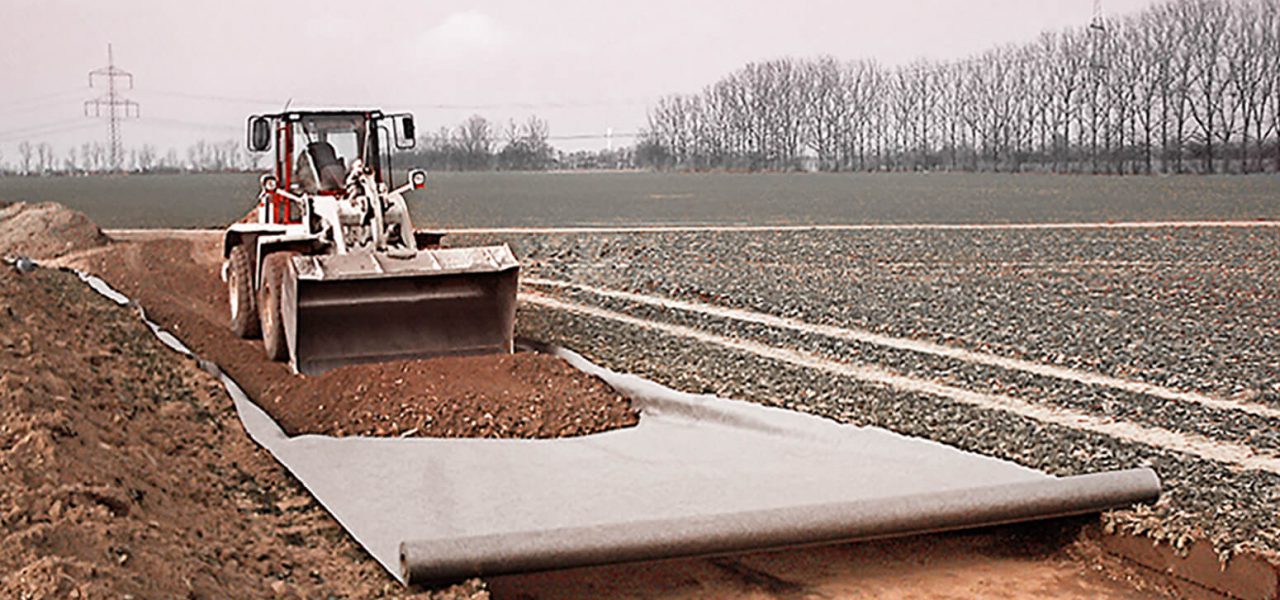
[274,268]
[244,305]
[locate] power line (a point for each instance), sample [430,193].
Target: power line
[26,128]
[51,129]
[211,98]
[40,99]
[593,136]
[553,104]
[180,124]
[194,125]
[117,107]
[59,105]
[535,105]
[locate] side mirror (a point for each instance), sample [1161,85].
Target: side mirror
[259,134]
[406,133]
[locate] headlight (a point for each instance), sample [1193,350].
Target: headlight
[268,183]
[418,178]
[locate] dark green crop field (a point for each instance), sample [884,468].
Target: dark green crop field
[568,199]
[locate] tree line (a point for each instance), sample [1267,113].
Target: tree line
[1189,86]
[94,157]
[474,145]
[477,145]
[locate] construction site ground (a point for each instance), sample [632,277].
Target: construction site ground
[126,471]
[521,395]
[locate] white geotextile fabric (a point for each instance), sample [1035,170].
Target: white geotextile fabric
[690,455]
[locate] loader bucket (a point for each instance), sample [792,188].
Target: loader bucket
[371,307]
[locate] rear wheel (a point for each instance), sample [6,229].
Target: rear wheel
[274,268]
[244,306]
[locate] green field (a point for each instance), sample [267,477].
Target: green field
[565,199]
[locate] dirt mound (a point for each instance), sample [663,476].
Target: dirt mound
[124,471]
[517,396]
[520,395]
[45,230]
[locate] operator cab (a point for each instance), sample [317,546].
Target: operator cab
[315,151]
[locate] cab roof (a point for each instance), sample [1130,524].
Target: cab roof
[298,115]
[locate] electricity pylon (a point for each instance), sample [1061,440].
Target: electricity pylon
[112,105]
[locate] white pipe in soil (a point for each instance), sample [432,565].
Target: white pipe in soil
[1186,443]
[924,347]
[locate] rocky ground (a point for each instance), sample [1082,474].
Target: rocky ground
[1170,332]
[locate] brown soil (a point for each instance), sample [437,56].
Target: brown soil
[124,471]
[1038,560]
[45,230]
[521,395]
[517,396]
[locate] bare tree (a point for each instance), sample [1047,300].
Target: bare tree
[475,141]
[827,107]
[1247,67]
[24,154]
[146,158]
[44,158]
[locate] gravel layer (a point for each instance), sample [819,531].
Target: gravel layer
[1258,432]
[1188,308]
[1191,309]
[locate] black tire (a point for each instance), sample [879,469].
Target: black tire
[243,301]
[274,268]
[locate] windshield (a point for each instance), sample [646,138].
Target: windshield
[324,148]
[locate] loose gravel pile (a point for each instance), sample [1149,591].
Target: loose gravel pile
[1189,309]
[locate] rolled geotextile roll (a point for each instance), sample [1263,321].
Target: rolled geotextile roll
[426,561]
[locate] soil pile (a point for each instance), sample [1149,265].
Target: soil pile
[45,230]
[124,471]
[514,396]
[504,396]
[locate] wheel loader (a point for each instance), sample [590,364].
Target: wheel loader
[332,272]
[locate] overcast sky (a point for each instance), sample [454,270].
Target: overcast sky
[584,66]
